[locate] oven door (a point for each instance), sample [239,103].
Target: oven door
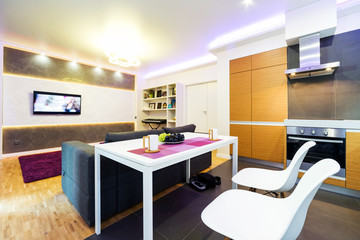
[325,148]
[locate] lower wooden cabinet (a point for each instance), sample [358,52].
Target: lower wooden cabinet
[243,132]
[260,142]
[268,143]
[353,160]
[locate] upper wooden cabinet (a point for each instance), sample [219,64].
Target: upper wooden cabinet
[260,60]
[258,87]
[240,65]
[240,96]
[269,58]
[269,94]
[353,160]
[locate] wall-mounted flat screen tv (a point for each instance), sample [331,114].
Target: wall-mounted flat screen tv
[56,103]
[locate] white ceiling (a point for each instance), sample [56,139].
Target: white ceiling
[166,32]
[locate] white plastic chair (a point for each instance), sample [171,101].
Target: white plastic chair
[273,181]
[241,214]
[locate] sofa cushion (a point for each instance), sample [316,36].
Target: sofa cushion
[186,128]
[121,136]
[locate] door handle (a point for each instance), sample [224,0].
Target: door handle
[204,112]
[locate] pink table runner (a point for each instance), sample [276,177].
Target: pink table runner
[168,149]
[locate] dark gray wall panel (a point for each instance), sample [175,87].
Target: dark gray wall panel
[328,97]
[50,136]
[19,62]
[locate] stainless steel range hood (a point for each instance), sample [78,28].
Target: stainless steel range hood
[309,49]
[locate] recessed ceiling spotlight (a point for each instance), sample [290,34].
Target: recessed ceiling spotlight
[98,70]
[73,64]
[247,2]
[42,58]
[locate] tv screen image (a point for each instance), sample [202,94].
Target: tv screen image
[56,103]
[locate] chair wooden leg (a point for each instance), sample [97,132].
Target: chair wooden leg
[252,189]
[226,238]
[282,194]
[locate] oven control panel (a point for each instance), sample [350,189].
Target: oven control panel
[317,132]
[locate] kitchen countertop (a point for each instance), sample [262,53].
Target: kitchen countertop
[349,125]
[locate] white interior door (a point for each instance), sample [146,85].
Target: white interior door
[201,106]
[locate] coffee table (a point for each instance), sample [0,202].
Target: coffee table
[128,153]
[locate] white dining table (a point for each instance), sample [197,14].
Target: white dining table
[120,152]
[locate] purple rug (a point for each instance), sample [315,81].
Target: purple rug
[40,166]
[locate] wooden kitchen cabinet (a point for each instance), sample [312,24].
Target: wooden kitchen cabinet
[243,132]
[258,93]
[269,94]
[240,64]
[353,160]
[268,143]
[269,58]
[240,96]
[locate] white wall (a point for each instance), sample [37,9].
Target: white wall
[99,105]
[348,19]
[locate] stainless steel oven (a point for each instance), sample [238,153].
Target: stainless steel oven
[330,143]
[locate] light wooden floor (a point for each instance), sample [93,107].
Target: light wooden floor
[40,210]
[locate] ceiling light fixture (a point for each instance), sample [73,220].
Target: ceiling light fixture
[123,61]
[247,2]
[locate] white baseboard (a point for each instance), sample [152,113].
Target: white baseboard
[17,154]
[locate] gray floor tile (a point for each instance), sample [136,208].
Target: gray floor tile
[177,215]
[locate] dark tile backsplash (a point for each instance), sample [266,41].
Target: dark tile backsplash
[330,97]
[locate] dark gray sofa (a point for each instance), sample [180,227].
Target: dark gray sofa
[121,186]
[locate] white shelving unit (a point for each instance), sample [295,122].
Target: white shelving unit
[165,102]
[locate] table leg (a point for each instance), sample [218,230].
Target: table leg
[188,171]
[148,204]
[97,194]
[235,161]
